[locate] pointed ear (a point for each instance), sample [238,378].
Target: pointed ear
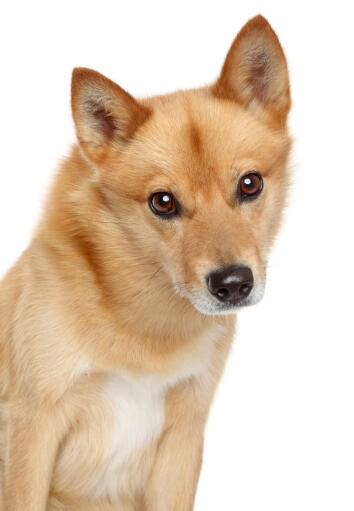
[105,115]
[255,72]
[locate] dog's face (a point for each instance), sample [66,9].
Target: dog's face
[196,180]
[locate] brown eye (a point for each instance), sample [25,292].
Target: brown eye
[163,203]
[250,185]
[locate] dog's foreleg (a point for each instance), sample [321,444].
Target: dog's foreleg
[175,474]
[32,438]
[173,482]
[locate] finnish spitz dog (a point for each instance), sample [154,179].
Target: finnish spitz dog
[116,321]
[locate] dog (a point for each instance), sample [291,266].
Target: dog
[116,322]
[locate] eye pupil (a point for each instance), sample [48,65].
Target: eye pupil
[162,203]
[251,185]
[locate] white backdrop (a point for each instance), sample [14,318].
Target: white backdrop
[281,432]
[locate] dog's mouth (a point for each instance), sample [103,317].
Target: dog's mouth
[207,304]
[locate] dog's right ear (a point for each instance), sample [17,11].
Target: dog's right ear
[105,115]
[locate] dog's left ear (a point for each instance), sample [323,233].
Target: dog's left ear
[255,72]
[105,115]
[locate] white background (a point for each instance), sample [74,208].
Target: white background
[281,432]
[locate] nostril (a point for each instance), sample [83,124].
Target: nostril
[245,289]
[223,292]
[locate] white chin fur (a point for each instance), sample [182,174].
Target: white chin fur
[206,304]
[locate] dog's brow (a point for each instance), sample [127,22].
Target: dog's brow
[195,139]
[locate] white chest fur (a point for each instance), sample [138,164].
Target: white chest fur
[137,405]
[138,410]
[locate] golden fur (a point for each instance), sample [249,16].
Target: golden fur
[107,296]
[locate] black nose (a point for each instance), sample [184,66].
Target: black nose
[230,284]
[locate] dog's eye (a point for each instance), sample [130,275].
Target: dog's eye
[163,203]
[250,185]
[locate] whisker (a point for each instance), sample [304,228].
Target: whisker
[156,272]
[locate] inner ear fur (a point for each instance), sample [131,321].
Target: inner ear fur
[255,72]
[105,115]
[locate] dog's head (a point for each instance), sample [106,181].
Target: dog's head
[196,179]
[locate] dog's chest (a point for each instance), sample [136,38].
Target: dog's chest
[136,412]
[110,454]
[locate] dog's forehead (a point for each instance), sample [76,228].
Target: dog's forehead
[205,139]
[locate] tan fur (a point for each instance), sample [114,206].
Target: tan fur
[104,294]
